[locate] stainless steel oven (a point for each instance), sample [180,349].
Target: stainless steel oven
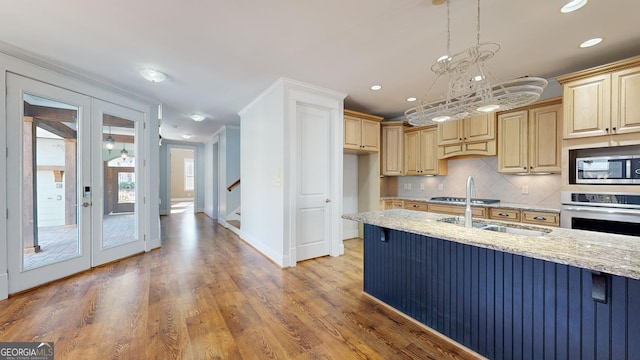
[603,212]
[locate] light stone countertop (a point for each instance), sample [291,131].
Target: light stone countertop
[609,253]
[500,205]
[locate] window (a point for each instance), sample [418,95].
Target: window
[188,175]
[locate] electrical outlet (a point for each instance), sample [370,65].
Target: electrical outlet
[421,186]
[405,186]
[440,187]
[525,190]
[409,186]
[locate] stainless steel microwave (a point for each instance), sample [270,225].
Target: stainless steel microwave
[621,169]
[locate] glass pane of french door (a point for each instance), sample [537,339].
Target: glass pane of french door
[116,233]
[45,126]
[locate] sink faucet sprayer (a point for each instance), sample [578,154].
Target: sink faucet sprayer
[471,191]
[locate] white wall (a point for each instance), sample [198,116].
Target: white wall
[268,168]
[262,157]
[350,195]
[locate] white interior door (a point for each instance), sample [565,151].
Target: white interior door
[117,179]
[48,132]
[313,215]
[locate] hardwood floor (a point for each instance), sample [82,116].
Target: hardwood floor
[205,295]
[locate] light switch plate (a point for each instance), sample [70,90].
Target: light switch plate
[440,187]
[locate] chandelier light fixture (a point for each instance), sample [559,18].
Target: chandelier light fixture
[471,91]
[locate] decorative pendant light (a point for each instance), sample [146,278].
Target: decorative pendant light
[470,91]
[109,141]
[124,153]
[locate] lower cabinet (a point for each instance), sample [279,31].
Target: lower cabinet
[544,218]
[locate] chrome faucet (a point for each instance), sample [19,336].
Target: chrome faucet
[471,191]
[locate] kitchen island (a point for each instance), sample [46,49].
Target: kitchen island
[566,294]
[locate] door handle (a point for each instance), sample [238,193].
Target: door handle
[86,204]
[327,200]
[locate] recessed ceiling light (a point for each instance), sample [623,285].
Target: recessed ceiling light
[186,136]
[376,87]
[411,99]
[197,117]
[591,42]
[572,5]
[153,75]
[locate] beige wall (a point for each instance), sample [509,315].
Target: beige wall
[177,173]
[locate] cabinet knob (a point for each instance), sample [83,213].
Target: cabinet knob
[614,129]
[525,168]
[460,139]
[504,214]
[539,218]
[606,129]
[531,167]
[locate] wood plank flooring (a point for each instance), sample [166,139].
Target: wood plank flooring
[208,295]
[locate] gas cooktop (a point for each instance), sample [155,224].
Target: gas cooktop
[463,200]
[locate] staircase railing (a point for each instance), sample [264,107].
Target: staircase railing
[232,186]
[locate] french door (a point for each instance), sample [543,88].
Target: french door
[57,150]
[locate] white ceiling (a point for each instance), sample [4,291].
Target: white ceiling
[219,55]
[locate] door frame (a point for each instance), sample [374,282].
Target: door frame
[300,94]
[19,63]
[195,174]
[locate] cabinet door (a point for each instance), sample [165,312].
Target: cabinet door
[545,146]
[392,159]
[370,137]
[587,107]
[352,133]
[479,128]
[429,151]
[512,142]
[412,153]
[625,112]
[450,132]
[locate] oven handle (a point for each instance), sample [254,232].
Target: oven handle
[592,209]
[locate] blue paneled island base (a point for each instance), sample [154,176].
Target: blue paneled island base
[501,305]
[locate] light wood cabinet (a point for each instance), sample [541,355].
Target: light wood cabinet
[504,214]
[361,132]
[393,204]
[476,212]
[416,205]
[541,218]
[529,139]
[602,101]
[472,136]
[392,159]
[420,152]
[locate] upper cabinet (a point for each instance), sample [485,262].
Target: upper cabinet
[472,136]
[392,148]
[529,138]
[361,132]
[603,100]
[420,152]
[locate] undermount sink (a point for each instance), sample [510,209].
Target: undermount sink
[482,225]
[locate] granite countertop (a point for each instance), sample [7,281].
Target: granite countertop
[609,253]
[499,205]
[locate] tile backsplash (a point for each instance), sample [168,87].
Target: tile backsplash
[543,190]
